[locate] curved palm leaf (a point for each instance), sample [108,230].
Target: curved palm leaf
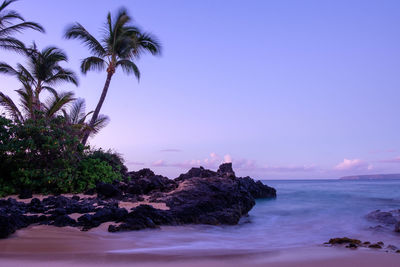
[145,42]
[63,75]
[7,69]
[77,111]
[77,31]
[7,103]
[100,123]
[57,102]
[92,63]
[17,28]
[27,101]
[11,43]
[12,22]
[129,67]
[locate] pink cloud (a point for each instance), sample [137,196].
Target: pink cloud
[159,163]
[227,158]
[214,160]
[394,160]
[211,162]
[353,164]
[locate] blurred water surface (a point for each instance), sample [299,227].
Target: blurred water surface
[305,213]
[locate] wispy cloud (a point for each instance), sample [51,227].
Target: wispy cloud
[353,165]
[171,150]
[251,165]
[393,160]
[211,162]
[135,163]
[380,151]
[214,160]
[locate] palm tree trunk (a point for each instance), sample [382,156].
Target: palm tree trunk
[98,107]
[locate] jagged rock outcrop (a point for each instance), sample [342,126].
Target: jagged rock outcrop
[387,218]
[145,182]
[199,196]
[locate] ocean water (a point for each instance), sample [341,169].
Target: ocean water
[305,213]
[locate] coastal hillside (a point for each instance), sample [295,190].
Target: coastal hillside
[372,177]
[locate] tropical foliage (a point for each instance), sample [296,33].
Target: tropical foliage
[77,117]
[120,46]
[114,159]
[45,156]
[41,73]
[12,22]
[43,136]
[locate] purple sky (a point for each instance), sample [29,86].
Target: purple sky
[284,89]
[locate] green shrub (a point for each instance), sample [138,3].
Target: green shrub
[93,171]
[114,159]
[46,156]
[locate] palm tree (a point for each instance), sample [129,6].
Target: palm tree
[42,72]
[51,108]
[121,44]
[11,22]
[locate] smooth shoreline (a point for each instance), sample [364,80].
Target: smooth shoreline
[52,246]
[314,256]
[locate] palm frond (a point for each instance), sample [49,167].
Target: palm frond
[17,28]
[7,69]
[9,17]
[63,75]
[129,67]
[148,43]
[92,63]
[10,43]
[13,111]
[77,31]
[25,74]
[50,89]
[122,17]
[5,4]
[27,100]
[53,55]
[77,111]
[83,119]
[55,103]
[99,124]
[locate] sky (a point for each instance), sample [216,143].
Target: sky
[282,89]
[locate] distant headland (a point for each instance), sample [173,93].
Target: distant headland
[372,177]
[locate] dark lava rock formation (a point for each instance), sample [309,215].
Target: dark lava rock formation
[387,219]
[356,243]
[199,196]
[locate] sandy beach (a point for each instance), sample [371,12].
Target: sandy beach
[52,246]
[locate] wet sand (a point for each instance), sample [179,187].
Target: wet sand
[52,246]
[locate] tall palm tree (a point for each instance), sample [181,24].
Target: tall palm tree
[42,72]
[120,45]
[11,22]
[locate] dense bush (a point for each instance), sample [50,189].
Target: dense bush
[114,159]
[46,156]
